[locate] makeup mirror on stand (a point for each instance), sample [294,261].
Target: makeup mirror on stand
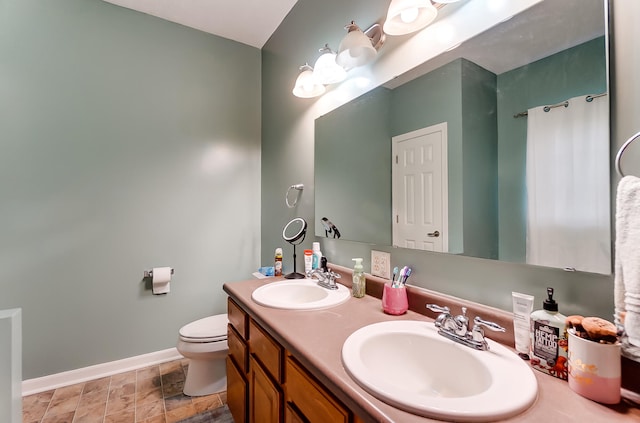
[294,233]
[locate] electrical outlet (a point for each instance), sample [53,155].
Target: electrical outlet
[381,264]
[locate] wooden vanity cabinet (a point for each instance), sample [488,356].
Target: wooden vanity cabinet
[266,384]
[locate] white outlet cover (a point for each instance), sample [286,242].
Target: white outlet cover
[381,264]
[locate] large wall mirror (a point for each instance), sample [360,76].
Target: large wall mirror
[512,182]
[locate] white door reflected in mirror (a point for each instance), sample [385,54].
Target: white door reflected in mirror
[420,189]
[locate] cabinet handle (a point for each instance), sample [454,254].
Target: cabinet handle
[434,234]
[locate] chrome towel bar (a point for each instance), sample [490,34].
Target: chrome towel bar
[621,152]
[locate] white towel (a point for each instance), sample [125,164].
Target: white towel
[627,267]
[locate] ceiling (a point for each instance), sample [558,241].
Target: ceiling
[249,22]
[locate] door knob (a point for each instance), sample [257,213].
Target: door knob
[434,234]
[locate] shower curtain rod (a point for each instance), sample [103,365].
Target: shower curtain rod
[565,103]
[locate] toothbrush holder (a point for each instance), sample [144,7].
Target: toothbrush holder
[394,300]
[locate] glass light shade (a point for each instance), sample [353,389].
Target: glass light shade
[326,71]
[355,49]
[407,16]
[306,85]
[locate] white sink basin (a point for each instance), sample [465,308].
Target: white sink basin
[299,294]
[408,365]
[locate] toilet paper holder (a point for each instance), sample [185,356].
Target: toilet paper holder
[149,273]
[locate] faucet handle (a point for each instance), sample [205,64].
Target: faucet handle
[437,309]
[489,325]
[477,334]
[333,274]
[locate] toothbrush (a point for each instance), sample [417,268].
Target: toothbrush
[406,275]
[402,272]
[393,278]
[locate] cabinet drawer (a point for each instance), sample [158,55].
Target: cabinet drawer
[237,349]
[266,350]
[238,318]
[313,401]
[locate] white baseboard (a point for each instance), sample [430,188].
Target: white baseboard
[71,377]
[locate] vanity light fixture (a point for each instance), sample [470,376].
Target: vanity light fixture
[326,71]
[306,85]
[407,16]
[358,48]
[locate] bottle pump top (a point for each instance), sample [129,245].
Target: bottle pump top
[358,267]
[550,304]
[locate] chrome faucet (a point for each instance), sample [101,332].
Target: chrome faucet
[326,278]
[457,328]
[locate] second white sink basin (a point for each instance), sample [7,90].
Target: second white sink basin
[299,294]
[407,364]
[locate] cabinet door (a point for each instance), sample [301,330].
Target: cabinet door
[265,398]
[292,416]
[236,392]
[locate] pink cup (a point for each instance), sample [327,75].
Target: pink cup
[594,369]
[394,300]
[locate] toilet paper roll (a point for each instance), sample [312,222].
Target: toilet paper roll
[160,279]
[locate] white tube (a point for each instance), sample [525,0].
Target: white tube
[522,308]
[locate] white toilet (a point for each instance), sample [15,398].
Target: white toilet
[204,343]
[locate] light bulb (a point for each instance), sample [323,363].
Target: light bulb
[409,15]
[308,85]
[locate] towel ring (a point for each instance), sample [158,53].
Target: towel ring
[621,152]
[299,188]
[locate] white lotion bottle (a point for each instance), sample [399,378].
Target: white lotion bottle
[317,256]
[522,308]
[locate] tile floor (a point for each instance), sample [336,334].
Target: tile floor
[148,395]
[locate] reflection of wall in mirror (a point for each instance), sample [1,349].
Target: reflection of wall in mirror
[486,177]
[353,185]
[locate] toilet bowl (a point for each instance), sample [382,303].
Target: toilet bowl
[204,343]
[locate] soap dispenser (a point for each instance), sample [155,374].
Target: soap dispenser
[358,287]
[549,339]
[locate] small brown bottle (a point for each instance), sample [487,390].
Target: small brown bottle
[277,268]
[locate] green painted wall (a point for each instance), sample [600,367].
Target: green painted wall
[287,146]
[127,142]
[577,71]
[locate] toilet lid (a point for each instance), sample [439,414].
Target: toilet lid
[208,329]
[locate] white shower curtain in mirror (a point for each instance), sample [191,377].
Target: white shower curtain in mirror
[568,222]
